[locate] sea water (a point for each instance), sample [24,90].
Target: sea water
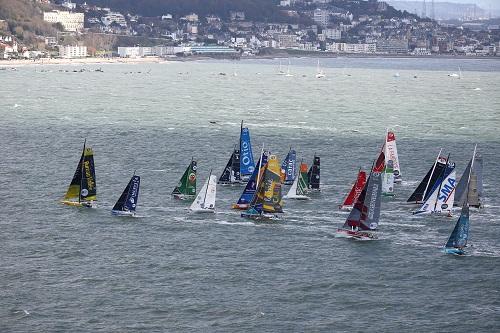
[65,269]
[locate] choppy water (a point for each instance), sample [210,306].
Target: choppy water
[72,270]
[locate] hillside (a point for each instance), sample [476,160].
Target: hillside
[254,9]
[25,20]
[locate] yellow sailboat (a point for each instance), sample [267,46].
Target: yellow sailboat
[82,189]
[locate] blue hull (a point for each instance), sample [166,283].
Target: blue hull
[455,251]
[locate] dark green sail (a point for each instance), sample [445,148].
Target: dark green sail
[187,184]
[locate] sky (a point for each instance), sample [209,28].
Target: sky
[485,4]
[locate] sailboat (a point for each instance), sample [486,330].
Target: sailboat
[267,201]
[247,164]
[388,179]
[82,190]
[288,74]
[391,153]
[127,203]
[319,72]
[205,200]
[474,185]
[280,70]
[231,173]
[186,189]
[364,217]
[299,187]
[355,192]
[458,76]
[249,191]
[288,167]
[458,239]
[422,191]
[442,195]
[313,175]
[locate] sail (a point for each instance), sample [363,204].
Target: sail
[128,199]
[460,234]
[249,191]
[187,184]
[365,214]
[475,186]
[231,173]
[74,187]
[428,182]
[380,163]
[247,164]
[268,197]
[356,189]
[206,197]
[388,179]
[313,176]
[391,153]
[288,167]
[88,189]
[299,186]
[442,196]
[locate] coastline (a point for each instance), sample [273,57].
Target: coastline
[277,55]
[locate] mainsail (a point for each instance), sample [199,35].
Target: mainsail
[356,190]
[460,234]
[422,191]
[247,165]
[231,173]
[288,167]
[299,187]
[313,176]
[82,188]
[475,184]
[442,195]
[388,179]
[205,200]
[391,153]
[267,198]
[187,185]
[129,198]
[249,191]
[365,214]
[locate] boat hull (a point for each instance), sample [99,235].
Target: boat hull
[183,197]
[88,204]
[263,217]
[454,251]
[240,206]
[297,197]
[123,213]
[345,208]
[355,234]
[202,210]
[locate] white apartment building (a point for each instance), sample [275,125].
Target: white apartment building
[334,34]
[351,48]
[321,17]
[69,51]
[70,21]
[134,51]
[114,17]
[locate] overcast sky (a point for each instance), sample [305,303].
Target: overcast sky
[485,4]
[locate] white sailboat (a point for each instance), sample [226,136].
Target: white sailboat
[205,200]
[299,186]
[391,153]
[455,75]
[288,74]
[319,72]
[280,69]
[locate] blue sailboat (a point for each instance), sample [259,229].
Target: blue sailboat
[127,203]
[250,188]
[289,167]
[458,239]
[247,164]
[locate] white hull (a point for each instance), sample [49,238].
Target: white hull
[356,235]
[297,197]
[202,210]
[123,213]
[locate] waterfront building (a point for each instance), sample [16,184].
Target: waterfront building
[392,46]
[69,51]
[70,21]
[134,51]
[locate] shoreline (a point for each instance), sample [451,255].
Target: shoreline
[156,59]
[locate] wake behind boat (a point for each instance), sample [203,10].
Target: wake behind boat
[82,190]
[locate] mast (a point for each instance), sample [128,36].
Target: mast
[466,201]
[432,172]
[260,166]
[441,183]
[81,170]
[206,190]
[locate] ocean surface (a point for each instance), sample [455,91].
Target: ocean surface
[65,269]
